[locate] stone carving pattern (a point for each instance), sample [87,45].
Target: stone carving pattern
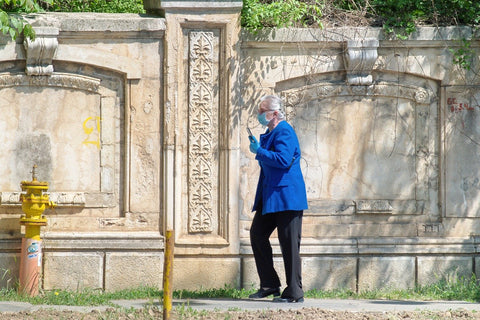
[373,206]
[67,199]
[201,135]
[316,91]
[55,80]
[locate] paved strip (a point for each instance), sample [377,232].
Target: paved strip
[13,306]
[327,304]
[262,304]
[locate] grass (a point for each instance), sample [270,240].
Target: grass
[457,289]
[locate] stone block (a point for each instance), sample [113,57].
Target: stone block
[477,267]
[132,269]
[204,272]
[250,276]
[433,269]
[73,270]
[9,269]
[386,273]
[328,273]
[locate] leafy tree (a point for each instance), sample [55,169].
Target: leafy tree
[11,19]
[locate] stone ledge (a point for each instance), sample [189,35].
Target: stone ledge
[429,36]
[60,198]
[134,241]
[188,5]
[65,199]
[378,246]
[97,22]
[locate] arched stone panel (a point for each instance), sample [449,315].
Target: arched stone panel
[69,125]
[367,149]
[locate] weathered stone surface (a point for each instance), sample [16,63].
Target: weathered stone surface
[329,273]
[250,278]
[73,270]
[125,270]
[386,272]
[198,273]
[433,269]
[9,270]
[326,273]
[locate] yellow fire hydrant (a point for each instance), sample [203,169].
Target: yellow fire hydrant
[34,203]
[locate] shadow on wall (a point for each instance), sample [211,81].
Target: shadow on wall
[31,149]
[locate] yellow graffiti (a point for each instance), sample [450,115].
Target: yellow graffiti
[89,130]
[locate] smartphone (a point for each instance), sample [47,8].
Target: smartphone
[250,135]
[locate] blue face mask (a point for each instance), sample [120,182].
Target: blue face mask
[262,118]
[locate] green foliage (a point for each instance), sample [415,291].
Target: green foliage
[11,20]
[405,15]
[461,289]
[399,17]
[225,292]
[87,297]
[453,289]
[107,6]
[463,55]
[257,14]
[13,23]
[22,6]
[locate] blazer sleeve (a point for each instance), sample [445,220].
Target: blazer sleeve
[284,145]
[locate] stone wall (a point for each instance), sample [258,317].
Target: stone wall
[81,102]
[138,124]
[389,150]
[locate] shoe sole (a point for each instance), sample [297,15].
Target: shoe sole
[287,300]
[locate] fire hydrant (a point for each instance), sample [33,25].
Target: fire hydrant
[34,203]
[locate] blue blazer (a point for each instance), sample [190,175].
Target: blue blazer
[280,186]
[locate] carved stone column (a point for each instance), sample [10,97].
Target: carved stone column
[200,137]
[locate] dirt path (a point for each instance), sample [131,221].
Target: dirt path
[299,314]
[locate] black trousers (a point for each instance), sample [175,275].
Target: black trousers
[289,229]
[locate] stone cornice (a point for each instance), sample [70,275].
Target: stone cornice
[308,37]
[107,23]
[137,241]
[189,5]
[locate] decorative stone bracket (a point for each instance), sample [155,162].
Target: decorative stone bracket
[40,52]
[360,57]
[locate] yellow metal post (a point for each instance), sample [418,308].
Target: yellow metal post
[34,203]
[167,274]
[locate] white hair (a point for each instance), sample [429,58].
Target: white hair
[274,103]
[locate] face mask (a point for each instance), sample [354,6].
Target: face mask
[262,118]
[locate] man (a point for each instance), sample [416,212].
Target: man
[279,202]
